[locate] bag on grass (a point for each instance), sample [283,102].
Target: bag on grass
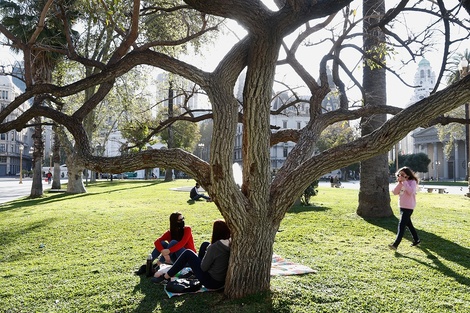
[182,285]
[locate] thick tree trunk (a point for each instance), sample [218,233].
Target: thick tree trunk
[75,177]
[374,195]
[252,224]
[56,160]
[36,187]
[250,260]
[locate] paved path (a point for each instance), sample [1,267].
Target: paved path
[11,189]
[449,189]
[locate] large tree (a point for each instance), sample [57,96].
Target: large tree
[254,211]
[27,22]
[374,194]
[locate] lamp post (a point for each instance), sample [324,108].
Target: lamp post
[437,170]
[201,147]
[50,161]
[464,69]
[21,147]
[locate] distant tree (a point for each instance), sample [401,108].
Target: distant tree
[418,162]
[185,135]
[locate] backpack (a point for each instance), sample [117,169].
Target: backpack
[182,285]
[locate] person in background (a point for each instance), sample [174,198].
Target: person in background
[170,245]
[211,265]
[195,195]
[406,191]
[49,177]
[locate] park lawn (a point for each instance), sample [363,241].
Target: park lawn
[77,253]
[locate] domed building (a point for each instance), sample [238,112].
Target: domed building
[452,166]
[14,145]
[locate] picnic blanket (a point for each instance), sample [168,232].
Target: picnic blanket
[282,267]
[279,267]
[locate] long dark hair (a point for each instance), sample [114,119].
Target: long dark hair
[408,172]
[220,231]
[176,231]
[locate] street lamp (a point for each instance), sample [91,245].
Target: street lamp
[437,170]
[21,147]
[201,147]
[50,161]
[463,69]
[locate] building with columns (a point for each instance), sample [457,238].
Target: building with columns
[426,140]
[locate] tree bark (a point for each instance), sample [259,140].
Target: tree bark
[56,160]
[36,187]
[374,194]
[250,260]
[75,176]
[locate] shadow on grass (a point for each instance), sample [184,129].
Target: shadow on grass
[10,235]
[443,268]
[55,197]
[435,247]
[307,208]
[155,298]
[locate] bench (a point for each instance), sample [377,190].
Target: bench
[439,190]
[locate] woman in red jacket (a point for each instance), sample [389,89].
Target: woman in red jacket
[170,245]
[174,241]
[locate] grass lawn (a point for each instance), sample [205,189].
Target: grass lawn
[77,253]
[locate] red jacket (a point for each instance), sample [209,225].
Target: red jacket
[186,242]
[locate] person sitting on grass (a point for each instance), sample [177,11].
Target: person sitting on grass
[170,245]
[195,195]
[210,265]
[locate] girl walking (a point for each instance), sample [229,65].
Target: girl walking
[406,190]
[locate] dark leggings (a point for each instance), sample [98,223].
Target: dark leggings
[188,257]
[405,221]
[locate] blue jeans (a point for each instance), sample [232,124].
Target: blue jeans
[166,245]
[197,197]
[405,221]
[190,258]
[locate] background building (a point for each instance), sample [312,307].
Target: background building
[293,117]
[13,141]
[426,140]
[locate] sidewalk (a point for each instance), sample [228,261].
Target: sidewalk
[355,184]
[11,189]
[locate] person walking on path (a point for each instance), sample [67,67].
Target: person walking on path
[49,177]
[406,191]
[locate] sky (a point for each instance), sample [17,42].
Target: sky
[397,93]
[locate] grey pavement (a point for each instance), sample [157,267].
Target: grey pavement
[354,184]
[11,189]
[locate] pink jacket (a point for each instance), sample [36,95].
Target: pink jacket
[407,192]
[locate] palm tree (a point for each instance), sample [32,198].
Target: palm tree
[456,74]
[22,20]
[374,195]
